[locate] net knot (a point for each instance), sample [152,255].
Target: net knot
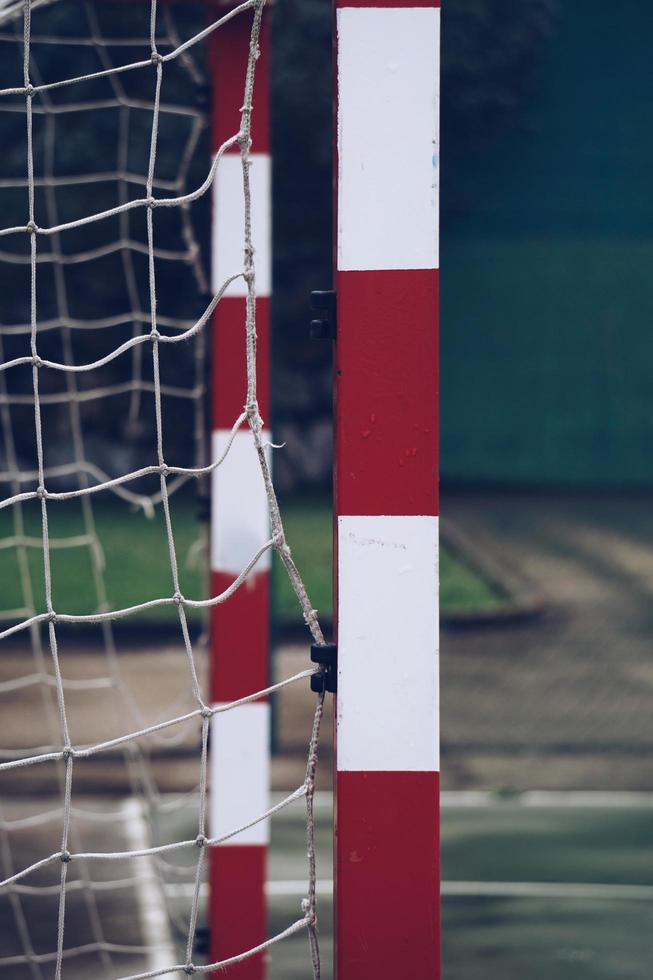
[37,362]
[41,492]
[29,90]
[178,599]
[155,335]
[31,227]
[189,969]
[66,857]
[206,712]
[68,753]
[200,840]
[280,544]
[157,59]
[309,912]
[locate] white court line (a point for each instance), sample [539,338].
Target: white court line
[563,799]
[322,800]
[154,917]
[546,889]
[273,889]
[546,798]
[470,889]
[297,887]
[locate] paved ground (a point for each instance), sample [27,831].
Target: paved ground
[120,919]
[559,703]
[558,886]
[540,886]
[564,702]
[116,923]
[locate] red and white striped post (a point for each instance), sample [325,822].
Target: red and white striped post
[240,523]
[387,768]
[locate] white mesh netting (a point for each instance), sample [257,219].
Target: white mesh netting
[105,141]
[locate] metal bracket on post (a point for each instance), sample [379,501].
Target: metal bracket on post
[323,304]
[326,655]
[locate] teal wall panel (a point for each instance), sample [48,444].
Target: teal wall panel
[547,280]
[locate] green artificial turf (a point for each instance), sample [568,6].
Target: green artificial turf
[309,533]
[137,567]
[134,553]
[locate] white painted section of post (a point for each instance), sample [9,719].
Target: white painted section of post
[388,137]
[388,714]
[241,519]
[229,213]
[285,888]
[240,773]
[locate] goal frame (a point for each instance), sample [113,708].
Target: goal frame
[384,326]
[240,628]
[386,262]
[386,489]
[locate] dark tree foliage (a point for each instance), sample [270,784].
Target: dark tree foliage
[490,55]
[87,141]
[302,147]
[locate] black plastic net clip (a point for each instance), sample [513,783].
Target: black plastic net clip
[326,655]
[323,306]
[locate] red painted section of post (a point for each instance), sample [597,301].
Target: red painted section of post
[229,359]
[240,626]
[388,416]
[388,869]
[242,621]
[394,4]
[238,908]
[387,916]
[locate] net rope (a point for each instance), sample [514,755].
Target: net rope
[34,98]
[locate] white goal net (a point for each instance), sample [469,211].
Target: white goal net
[104,315]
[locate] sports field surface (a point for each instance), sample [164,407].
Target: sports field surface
[535,886]
[137,565]
[538,886]
[542,885]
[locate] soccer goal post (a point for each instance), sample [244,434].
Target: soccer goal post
[386,489]
[240,519]
[120,336]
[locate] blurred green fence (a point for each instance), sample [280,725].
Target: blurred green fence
[547,285]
